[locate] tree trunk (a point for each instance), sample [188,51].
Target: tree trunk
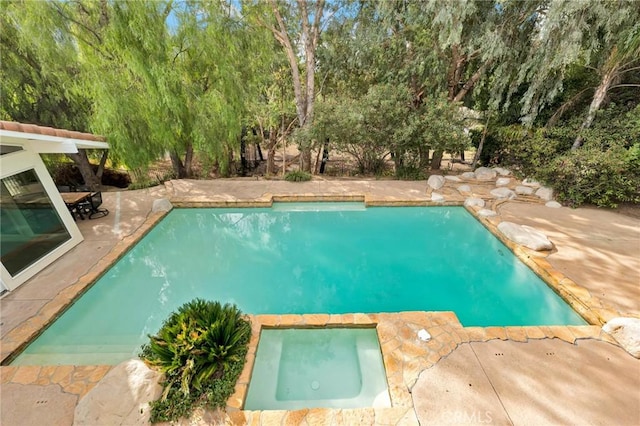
[437,159]
[271,150]
[468,85]
[188,161]
[309,35]
[456,72]
[103,161]
[178,167]
[480,145]
[82,161]
[305,159]
[598,99]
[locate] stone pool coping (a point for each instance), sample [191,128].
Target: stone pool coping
[404,357]
[403,361]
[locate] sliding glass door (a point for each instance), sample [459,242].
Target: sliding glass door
[35,225]
[30,227]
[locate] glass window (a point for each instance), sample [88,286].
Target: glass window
[8,149]
[29,224]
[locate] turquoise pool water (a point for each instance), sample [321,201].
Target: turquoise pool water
[301,258]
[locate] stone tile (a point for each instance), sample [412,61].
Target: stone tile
[36,405]
[409,419]
[272,417]
[13,312]
[239,417]
[455,390]
[319,416]
[286,320]
[433,357]
[316,319]
[496,333]
[364,416]
[517,334]
[6,373]
[585,331]
[236,400]
[62,374]
[562,333]
[416,317]
[443,318]
[412,350]
[588,371]
[76,388]
[362,319]
[389,416]
[534,333]
[26,375]
[390,345]
[399,394]
[412,369]
[268,320]
[335,319]
[392,363]
[295,417]
[386,331]
[476,334]
[245,375]
[99,372]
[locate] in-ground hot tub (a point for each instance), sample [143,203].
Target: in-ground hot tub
[310,368]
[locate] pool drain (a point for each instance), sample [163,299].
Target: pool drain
[315,385]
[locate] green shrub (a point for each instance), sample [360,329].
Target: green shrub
[522,150]
[591,175]
[297,176]
[410,173]
[201,349]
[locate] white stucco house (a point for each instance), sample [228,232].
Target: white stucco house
[36,227]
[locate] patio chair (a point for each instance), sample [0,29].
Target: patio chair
[91,206]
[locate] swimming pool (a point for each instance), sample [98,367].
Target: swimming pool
[301,258]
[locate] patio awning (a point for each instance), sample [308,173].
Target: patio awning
[48,140]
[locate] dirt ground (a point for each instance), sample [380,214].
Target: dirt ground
[339,166]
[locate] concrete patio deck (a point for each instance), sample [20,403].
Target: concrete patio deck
[596,262]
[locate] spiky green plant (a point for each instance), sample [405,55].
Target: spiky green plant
[297,176]
[197,344]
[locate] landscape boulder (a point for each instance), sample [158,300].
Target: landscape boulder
[485,173]
[435,197]
[626,331]
[502,171]
[545,193]
[503,181]
[474,202]
[468,175]
[435,181]
[525,236]
[524,190]
[121,398]
[553,204]
[486,213]
[531,183]
[503,193]
[464,188]
[453,178]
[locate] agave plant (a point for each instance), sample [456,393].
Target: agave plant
[197,343]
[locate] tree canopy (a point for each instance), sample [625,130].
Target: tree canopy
[381,80]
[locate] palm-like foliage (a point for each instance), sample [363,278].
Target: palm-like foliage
[197,343]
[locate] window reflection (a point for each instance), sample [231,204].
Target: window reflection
[30,227]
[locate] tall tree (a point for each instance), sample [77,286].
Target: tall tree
[603,36]
[479,39]
[40,76]
[298,35]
